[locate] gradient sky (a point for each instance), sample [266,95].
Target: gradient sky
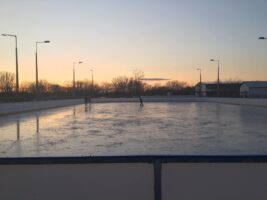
[163,38]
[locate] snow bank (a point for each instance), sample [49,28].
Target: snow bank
[234,101]
[148,99]
[238,101]
[13,108]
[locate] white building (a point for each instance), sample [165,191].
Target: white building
[253,89]
[225,89]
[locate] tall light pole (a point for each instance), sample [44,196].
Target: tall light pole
[218,79]
[17,65]
[74,87]
[92,71]
[200,82]
[36,65]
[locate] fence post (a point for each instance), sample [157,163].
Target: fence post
[157,179]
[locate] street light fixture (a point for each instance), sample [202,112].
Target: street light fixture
[74,87]
[218,78]
[262,38]
[17,65]
[200,82]
[36,65]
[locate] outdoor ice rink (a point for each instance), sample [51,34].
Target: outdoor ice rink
[128,129]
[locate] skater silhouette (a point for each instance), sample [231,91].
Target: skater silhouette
[141,101]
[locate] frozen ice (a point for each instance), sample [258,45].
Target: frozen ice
[128,129]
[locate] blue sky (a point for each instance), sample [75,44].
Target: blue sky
[166,38]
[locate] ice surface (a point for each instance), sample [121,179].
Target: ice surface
[128,129]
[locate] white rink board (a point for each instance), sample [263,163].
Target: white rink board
[210,181]
[77,181]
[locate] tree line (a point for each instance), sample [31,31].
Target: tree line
[121,86]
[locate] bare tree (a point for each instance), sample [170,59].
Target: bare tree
[135,84]
[232,80]
[175,85]
[138,75]
[120,84]
[44,86]
[27,87]
[7,82]
[105,87]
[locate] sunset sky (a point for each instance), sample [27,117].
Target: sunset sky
[163,38]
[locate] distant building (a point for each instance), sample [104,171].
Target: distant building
[254,89]
[225,89]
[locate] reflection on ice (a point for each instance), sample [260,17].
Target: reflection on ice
[18,129]
[37,124]
[127,128]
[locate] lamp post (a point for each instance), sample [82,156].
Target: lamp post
[262,38]
[36,65]
[218,79]
[200,83]
[92,71]
[17,65]
[74,87]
